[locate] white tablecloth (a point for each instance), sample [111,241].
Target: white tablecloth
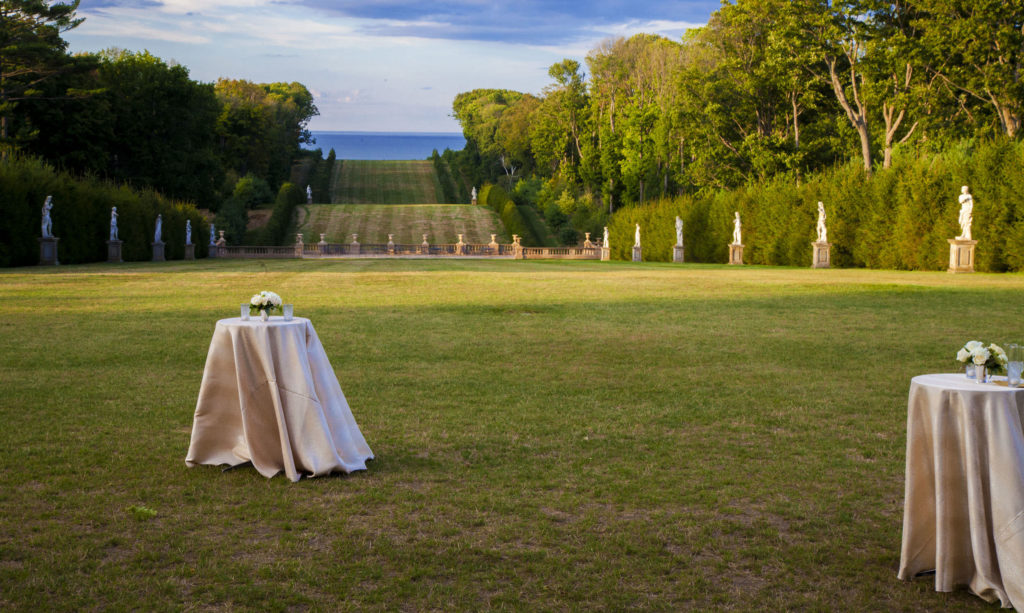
[963,514]
[270,396]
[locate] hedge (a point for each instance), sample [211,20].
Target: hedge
[900,218]
[81,217]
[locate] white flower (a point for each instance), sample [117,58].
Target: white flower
[980,356]
[963,355]
[972,345]
[999,353]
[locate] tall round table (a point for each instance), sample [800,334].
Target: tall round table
[963,513]
[269,396]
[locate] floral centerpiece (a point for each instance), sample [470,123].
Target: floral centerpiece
[981,358]
[264,303]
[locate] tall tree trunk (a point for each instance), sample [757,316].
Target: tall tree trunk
[858,117]
[893,121]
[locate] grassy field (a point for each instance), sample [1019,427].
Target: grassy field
[373,222]
[386,182]
[549,436]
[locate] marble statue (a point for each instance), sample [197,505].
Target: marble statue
[679,232]
[47,222]
[309,194]
[113,224]
[966,214]
[188,231]
[636,240]
[822,230]
[159,229]
[605,243]
[473,195]
[213,242]
[736,238]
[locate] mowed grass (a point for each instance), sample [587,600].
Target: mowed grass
[549,436]
[386,182]
[442,223]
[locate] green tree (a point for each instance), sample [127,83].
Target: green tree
[31,51]
[977,48]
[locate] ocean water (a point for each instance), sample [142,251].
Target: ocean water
[386,145]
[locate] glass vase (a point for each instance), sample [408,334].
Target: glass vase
[969,370]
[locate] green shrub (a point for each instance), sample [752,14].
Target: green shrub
[81,216]
[900,218]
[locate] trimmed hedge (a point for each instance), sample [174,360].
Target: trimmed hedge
[900,218]
[81,217]
[444,177]
[511,215]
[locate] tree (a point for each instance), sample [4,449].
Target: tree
[31,50]
[977,48]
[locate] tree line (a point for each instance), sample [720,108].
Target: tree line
[130,120]
[133,118]
[768,88]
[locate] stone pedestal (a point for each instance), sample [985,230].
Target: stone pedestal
[158,251]
[114,251]
[425,246]
[606,254]
[961,255]
[735,254]
[354,247]
[677,254]
[822,255]
[190,251]
[211,250]
[638,253]
[48,251]
[221,244]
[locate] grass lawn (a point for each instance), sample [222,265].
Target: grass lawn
[550,436]
[442,223]
[386,182]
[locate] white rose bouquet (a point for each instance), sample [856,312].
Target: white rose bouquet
[976,353]
[264,301]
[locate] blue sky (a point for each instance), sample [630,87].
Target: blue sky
[378,65]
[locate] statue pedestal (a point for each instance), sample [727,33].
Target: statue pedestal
[822,255]
[158,251]
[961,255]
[211,250]
[114,251]
[354,248]
[736,254]
[638,253]
[48,251]
[677,254]
[190,251]
[606,254]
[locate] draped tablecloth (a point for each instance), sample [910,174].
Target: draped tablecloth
[963,514]
[270,396]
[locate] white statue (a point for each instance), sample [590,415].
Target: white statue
[188,231]
[636,240]
[309,194]
[474,193]
[966,214]
[47,222]
[213,242]
[605,243]
[159,231]
[736,239]
[113,223]
[822,230]
[679,232]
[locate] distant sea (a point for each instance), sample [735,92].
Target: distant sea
[386,145]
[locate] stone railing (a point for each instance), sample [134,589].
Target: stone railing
[324,249]
[561,253]
[255,252]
